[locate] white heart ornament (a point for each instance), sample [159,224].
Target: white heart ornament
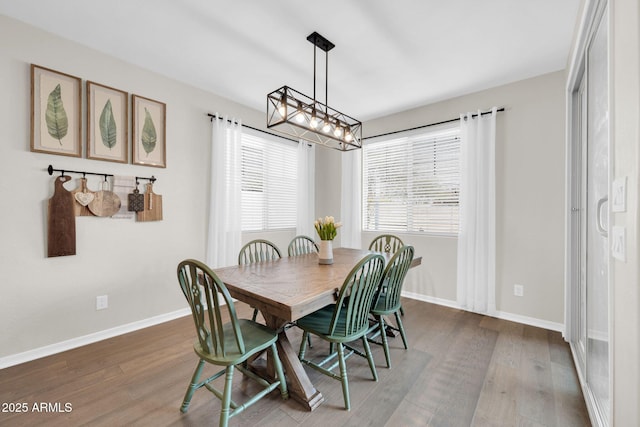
[84,198]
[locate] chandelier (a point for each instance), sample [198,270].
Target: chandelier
[298,115]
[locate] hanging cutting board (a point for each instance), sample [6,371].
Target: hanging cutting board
[82,197]
[152,206]
[105,202]
[61,232]
[135,200]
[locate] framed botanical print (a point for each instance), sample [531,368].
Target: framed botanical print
[107,123]
[149,132]
[55,112]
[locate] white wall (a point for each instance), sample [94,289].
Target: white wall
[530,194]
[49,300]
[328,185]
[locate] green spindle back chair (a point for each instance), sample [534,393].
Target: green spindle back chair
[345,321]
[387,300]
[224,344]
[301,245]
[258,250]
[387,243]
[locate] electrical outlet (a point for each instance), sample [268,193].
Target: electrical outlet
[102,302]
[518,290]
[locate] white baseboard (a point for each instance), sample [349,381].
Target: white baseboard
[27,356]
[531,321]
[433,300]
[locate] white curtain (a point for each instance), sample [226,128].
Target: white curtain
[476,240]
[306,193]
[351,200]
[225,227]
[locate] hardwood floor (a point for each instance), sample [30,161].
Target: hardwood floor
[461,369]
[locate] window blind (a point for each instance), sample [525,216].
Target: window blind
[269,174]
[411,183]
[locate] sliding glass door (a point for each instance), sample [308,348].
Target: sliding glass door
[588,323]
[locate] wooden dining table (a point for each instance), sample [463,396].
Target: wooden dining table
[287,289]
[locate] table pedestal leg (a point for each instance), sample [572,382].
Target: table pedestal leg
[300,387]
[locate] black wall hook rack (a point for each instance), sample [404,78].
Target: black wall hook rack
[51,170]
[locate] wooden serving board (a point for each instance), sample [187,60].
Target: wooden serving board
[61,232]
[152,206]
[105,202]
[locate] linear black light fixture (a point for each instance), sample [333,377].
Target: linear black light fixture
[296,114]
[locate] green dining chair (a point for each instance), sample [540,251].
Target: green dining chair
[301,245]
[387,301]
[258,250]
[387,243]
[345,321]
[228,345]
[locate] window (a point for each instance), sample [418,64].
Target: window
[411,183]
[269,176]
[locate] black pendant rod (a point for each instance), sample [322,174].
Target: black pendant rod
[430,124]
[320,42]
[51,170]
[213,116]
[326,84]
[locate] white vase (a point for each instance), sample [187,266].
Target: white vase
[326,252]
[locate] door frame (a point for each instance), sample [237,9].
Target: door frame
[592,13]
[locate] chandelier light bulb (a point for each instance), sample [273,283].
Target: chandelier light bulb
[337,131]
[282,106]
[327,127]
[313,122]
[348,137]
[299,114]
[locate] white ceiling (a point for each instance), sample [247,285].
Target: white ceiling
[389,55]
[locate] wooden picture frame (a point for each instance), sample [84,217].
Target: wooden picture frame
[149,132]
[107,123]
[56,108]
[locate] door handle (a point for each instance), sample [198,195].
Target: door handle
[601,228]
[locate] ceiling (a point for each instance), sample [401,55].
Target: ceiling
[389,56]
